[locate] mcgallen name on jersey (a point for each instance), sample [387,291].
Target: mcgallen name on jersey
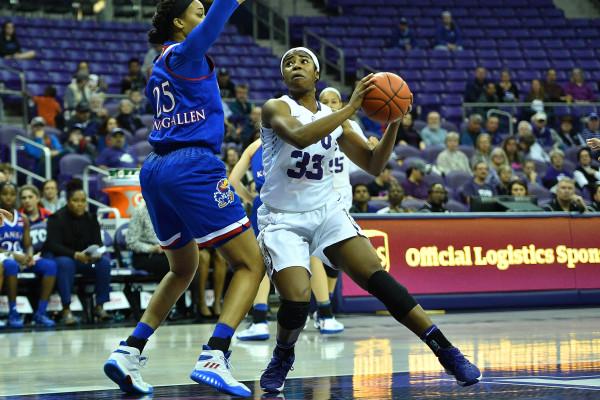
[185,118]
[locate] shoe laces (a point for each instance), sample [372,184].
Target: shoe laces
[276,363]
[226,362]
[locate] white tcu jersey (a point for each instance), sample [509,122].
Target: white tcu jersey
[298,180]
[342,166]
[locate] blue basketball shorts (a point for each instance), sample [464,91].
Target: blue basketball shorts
[189,198]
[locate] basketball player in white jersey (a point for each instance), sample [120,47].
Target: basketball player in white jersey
[302,215]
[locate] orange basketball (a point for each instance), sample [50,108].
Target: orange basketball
[389,100]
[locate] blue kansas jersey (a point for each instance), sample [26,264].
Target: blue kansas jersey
[11,233]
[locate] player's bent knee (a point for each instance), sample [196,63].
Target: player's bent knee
[292,314]
[391,293]
[48,268]
[11,267]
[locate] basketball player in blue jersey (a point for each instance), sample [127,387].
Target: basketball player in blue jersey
[190,201]
[16,255]
[302,215]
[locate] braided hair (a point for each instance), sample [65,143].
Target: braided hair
[162,22]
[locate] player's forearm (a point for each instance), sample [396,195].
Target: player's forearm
[304,136]
[380,155]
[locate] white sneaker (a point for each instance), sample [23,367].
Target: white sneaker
[258,331]
[123,368]
[213,369]
[329,326]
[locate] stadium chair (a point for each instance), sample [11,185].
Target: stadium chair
[539,191]
[71,165]
[431,152]
[456,179]
[432,178]
[455,206]
[141,150]
[413,204]
[378,204]
[361,177]
[404,152]
[399,175]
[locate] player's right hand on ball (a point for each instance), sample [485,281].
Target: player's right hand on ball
[365,85]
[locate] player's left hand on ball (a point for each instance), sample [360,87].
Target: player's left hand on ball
[594,143]
[365,85]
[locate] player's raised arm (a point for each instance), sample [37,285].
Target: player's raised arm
[276,115]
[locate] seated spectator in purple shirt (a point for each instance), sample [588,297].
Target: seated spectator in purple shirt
[447,36]
[360,200]
[115,156]
[380,186]
[414,186]
[578,89]
[408,135]
[556,171]
[478,186]
[554,92]
[403,37]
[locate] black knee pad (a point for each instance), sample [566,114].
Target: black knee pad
[395,296]
[331,272]
[292,314]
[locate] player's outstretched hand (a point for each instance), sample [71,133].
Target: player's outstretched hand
[594,143]
[4,215]
[364,86]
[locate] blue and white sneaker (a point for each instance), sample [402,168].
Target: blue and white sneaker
[273,378]
[258,331]
[43,320]
[328,326]
[15,320]
[455,364]
[213,369]
[123,368]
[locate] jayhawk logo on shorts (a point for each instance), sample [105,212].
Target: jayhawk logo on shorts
[224,195]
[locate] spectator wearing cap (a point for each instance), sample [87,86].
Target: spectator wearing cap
[77,91]
[554,92]
[395,197]
[595,206]
[567,133]
[592,126]
[556,171]
[578,89]
[586,175]
[472,130]
[545,135]
[226,85]
[48,106]
[77,144]
[135,79]
[566,200]
[380,186]
[360,200]
[436,198]
[408,135]
[447,36]
[126,118]
[116,156]
[478,186]
[474,88]
[433,133]
[403,37]
[483,150]
[414,186]
[507,90]
[83,117]
[452,159]
[40,136]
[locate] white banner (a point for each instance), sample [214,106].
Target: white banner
[55,305]
[23,305]
[118,301]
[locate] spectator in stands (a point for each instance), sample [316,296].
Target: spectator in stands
[9,44]
[498,160]
[492,128]
[531,175]
[474,88]
[140,103]
[447,36]
[408,135]
[106,126]
[505,176]
[97,86]
[151,55]
[483,150]
[147,254]
[116,156]
[592,126]
[226,85]
[241,107]
[530,148]
[360,200]
[586,175]
[518,189]
[135,79]
[488,96]
[7,170]
[403,37]
[31,206]
[3,179]
[77,144]
[127,119]
[556,171]
[545,135]
[40,136]
[380,186]
[595,206]
[472,130]
[83,117]
[536,92]
[567,134]
[230,158]
[507,90]
[251,127]
[478,187]
[578,89]
[566,200]
[97,110]
[553,91]
[433,133]
[414,186]
[513,155]
[395,197]
[452,159]
[77,92]
[210,257]
[83,67]
[51,200]
[436,198]
[48,106]
[72,230]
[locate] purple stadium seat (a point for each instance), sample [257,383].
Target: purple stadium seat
[361,176]
[404,152]
[456,179]
[399,175]
[147,120]
[141,150]
[432,178]
[571,154]
[8,133]
[431,152]
[413,204]
[378,204]
[539,191]
[410,161]
[71,165]
[455,206]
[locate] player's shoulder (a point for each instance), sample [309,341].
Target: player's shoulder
[276,107]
